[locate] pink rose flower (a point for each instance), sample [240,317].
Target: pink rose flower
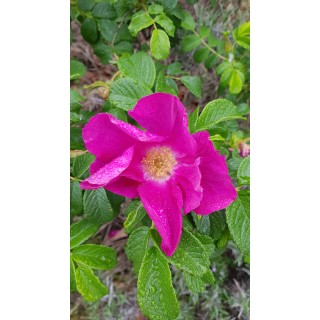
[169,168]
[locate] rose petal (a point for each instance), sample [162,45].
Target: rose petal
[160,113]
[188,178]
[109,172]
[218,191]
[124,186]
[165,115]
[107,137]
[163,203]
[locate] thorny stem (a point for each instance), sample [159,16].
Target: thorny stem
[207,46]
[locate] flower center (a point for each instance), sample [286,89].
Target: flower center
[159,163]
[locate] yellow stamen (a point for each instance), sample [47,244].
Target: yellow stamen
[159,163]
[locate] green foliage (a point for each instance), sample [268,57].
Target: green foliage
[73,286]
[81,164]
[97,205]
[193,84]
[217,111]
[89,285]
[242,35]
[238,219]
[187,21]
[243,174]
[95,256]
[190,42]
[166,23]
[89,30]
[139,67]
[190,255]
[140,20]
[125,93]
[197,283]
[82,231]
[108,29]
[76,206]
[137,246]
[135,213]
[77,69]
[156,295]
[159,44]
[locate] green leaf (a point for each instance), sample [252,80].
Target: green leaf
[95,256]
[140,20]
[97,206]
[243,109]
[115,200]
[168,4]
[123,34]
[213,41]
[81,164]
[89,285]
[76,141]
[135,213]
[123,47]
[202,223]
[103,51]
[223,241]
[201,54]
[75,99]
[223,67]
[215,112]
[155,9]
[104,10]
[108,29]
[204,31]
[85,5]
[218,224]
[73,286]
[193,84]
[242,35]
[243,174]
[190,255]
[139,67]
[126,92]
[76,205]
[77,69]
[119,114]
[216,137]
[207,242]
[225,77]
[167,85]
[156,295]
[235,84]
[159,44]
[190,42]
[192,119]
[82,231]
[174,69]
[137,246]
[187,21]
[211,61]
[196,283]
[89,30]
[238,219]
[166,23]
